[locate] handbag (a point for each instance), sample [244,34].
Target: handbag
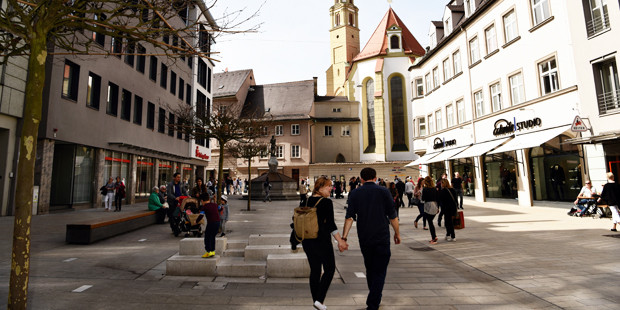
[430,207]
[458,220]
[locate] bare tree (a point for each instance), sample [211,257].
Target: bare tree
[248,150]
[38,28]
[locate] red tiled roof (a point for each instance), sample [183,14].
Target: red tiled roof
[378,42]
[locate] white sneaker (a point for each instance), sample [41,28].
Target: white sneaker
[453,239]
[319,305]
[447,238]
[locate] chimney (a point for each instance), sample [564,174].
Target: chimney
[316,83]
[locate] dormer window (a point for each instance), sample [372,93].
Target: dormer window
[433,40]
[394,33]
[395,42]
[448,26]
[470,7]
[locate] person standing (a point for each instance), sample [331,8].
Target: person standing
[409,191]
[267,189]
[223,209]
[320,251]
[400,187]
[175,190]
[119,194]
[303,193]
[199,189]
[429,196]
[447,200]
[213,223]
[373,209]
[611,195]
[457,184]
[109,197]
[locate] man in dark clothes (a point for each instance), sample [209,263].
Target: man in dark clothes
[372,207]
[175,190]
[400,187]
[457,184]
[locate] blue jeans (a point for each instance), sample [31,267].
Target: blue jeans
[376,260]
[583,205]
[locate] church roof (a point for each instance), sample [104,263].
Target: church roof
[379,42]
[292,100]
[229,83]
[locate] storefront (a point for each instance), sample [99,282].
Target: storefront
[165,172]
[72,175]
[144,176]
[500,175]
[465,168]
[556,171]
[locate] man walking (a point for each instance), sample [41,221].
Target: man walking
[400,187]
[267,189]
[175,190]
[373,208]
[457,184]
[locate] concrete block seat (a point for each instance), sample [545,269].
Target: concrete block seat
[293,265]
[192,265]
[269,239]
[196,246]
[93,230]
[260,252]
[238,267]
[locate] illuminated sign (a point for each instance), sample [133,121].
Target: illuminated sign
[504,127]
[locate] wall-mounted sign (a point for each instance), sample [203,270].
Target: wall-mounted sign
[504,127]
[578,125]
[438,143]
[201,155]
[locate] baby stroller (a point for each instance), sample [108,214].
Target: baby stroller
[190,220]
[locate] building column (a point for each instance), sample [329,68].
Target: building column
[98,177]
[43,173]
[156,172]
[524,183]
[479,184]
[596,165]
[130,189]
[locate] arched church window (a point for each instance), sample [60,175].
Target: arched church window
[370,116]
[395,42]
[397,114]
[340,158]
[337,19]
[351,19]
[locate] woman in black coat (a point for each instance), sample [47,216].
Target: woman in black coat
[429,196]
[447,201]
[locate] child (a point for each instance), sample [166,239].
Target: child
[213,224]
[223,208]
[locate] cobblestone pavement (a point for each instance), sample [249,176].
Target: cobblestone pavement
[507,257]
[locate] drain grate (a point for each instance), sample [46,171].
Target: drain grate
[422,249]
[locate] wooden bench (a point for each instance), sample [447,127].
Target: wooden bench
[89,231]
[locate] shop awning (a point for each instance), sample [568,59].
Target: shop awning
[531,139]
[422,160]
[447,154]
[479,148]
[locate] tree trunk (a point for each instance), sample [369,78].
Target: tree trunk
[20,261]
[220,174]
[250,181]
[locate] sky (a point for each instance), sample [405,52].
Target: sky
[292,43]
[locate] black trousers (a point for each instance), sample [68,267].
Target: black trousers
[449,223]
[320,253]
[431,226]
[376,260]
[421,215]
[210,233]
[302,199]
[160,215]
[118,201]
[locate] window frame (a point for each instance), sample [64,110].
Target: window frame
[511,88]
[295,151]
[419,87]
[474,60]
[421,123]
[328,131]
[295,130]
[279,151]
[163,76]
[490,41]
[450,115]
[555,72]
[457,63]
[430,121]
[113,93]
[446,69]
[533,8]
[70,83]
[429,82]
[345,130]
[461,114]
[126,104]
[438,120]
[436,81]
[150,115]
[93,91]
[495,94]
[279,130]
[479,104]
[138,109]
[514,24]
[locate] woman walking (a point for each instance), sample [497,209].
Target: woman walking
[429,196]
[611,195]
[447,200]
[320,251]
[417,200]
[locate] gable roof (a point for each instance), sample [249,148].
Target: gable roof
[228,83]
[292,100]
[378,42]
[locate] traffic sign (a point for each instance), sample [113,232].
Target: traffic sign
[578,125]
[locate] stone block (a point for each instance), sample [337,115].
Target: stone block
[288,266]
[236,244]
[194,265]
[234,253]
[196,246]
[269,239]
[260,252]
[237,267]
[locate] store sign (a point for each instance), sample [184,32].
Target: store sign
[578,125]
[200,154]
[504,127]
[440,144]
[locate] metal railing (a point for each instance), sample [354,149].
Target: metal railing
[597,25]
[609,102]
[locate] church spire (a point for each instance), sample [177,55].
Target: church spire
[344,44]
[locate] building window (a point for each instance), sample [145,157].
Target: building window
[394,42]
[419,87]
[479,101]
[137,110]
[421,126]
[98,37]
[438,120]
[345,130]
[279,151]
[510,26]
[491,39]
[435,77]
[548,76]
[450,115]
[181,88]
[131,50]
[456,60]
[141,66]
[540,11]
[163,76]
[126,105]
[398,114]
[460,112]
[93,92]
[117,46]
[295,151]
[150,116]
[153,69]
[161,124]
[265,131]
[171,124]
[448,26]
[607,86]
[470,7]
[370,116]
[209,79]
[264,154]
[173,82]
[295,130]
[597,17]
[327,131]
[433,40]
[429,87]
[474,50]
[202,73]
[202,110]
[336,110]
[431,124]
[204,40]
[496,97]
[112,101]
[517,90]
[279,130]
[188,94]
[179,129]
[446,69]
[70,80]
[337,20]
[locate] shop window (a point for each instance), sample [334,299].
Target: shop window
[144,176]
[370,115]
[491,39]
[112,101]
[517,90]
[137,110]
[511,31]
[456,61]
[93,92]
[150,116]
[500,175]
[555,170]
[549,81]
[540,11]
[474,51]
[398,116]
[607,86]
[126,105]
[70,80]
[153,68]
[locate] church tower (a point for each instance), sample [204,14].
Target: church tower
[344,44]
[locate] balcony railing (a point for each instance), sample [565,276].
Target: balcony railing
[597,25]
[609,102]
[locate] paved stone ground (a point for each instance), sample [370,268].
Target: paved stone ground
[508,257]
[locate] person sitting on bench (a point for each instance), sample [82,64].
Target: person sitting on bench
[585,198]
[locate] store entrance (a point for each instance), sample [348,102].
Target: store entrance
[500,175]
[555,171]
[465,167]
[435,170]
